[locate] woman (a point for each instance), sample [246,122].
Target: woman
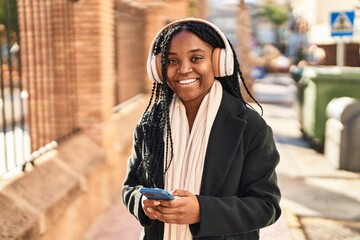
[199,139]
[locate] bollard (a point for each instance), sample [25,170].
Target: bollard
[342,142]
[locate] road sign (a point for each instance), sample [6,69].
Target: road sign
[342,23]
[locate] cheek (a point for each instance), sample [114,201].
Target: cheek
[169,82]
[170,85]
[171,72]
[207,70]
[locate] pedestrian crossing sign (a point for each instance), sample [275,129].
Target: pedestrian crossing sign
[342,23]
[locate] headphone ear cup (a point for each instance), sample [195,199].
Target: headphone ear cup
[229,65]
[158,67]
[219,62]
[216,61]
[154,65]
[222,63]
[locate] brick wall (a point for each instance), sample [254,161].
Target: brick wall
[67,55]
[95,61]
[92,55]
[130,51]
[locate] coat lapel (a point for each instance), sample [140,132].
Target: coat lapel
[223,145]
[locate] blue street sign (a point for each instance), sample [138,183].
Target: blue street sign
[342,23]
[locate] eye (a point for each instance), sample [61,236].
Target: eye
[197,58]
[172,61]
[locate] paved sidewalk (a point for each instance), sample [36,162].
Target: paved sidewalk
[319,202]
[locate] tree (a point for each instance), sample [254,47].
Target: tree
[278,15]
[8,26]
[244,46]
[8,14]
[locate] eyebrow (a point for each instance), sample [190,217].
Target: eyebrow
[191,51]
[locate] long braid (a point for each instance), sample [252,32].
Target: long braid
[152,130]
[156,119]
[151,97]
[240,75]
[168,93]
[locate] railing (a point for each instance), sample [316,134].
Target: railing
[14,140]
[38,79]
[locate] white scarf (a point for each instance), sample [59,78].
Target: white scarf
[186,169]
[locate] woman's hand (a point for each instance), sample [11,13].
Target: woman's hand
[149,206]
[184,209]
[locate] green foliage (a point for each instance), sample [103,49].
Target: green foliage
[8,14]
[274,13]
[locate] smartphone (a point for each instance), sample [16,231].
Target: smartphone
[156,193]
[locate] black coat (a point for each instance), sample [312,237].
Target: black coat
[239,192]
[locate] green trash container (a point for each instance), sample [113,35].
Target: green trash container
[319,86]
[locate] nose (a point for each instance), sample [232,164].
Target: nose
[185,67]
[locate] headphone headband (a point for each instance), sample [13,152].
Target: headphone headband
[228,62]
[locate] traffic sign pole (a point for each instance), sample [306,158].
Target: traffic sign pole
[340,52]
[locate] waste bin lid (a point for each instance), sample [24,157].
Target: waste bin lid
[343,108]
[332,73]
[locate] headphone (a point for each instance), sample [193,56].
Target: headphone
[222,58]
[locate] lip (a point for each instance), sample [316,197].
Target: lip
[187,81]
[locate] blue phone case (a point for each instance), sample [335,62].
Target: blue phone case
[156,193]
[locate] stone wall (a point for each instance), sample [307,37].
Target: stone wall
[71,185]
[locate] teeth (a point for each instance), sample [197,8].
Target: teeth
[187,81]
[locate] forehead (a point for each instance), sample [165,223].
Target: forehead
[188,40]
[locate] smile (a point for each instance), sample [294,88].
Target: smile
[188,81]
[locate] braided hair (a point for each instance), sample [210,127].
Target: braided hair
[155,121]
